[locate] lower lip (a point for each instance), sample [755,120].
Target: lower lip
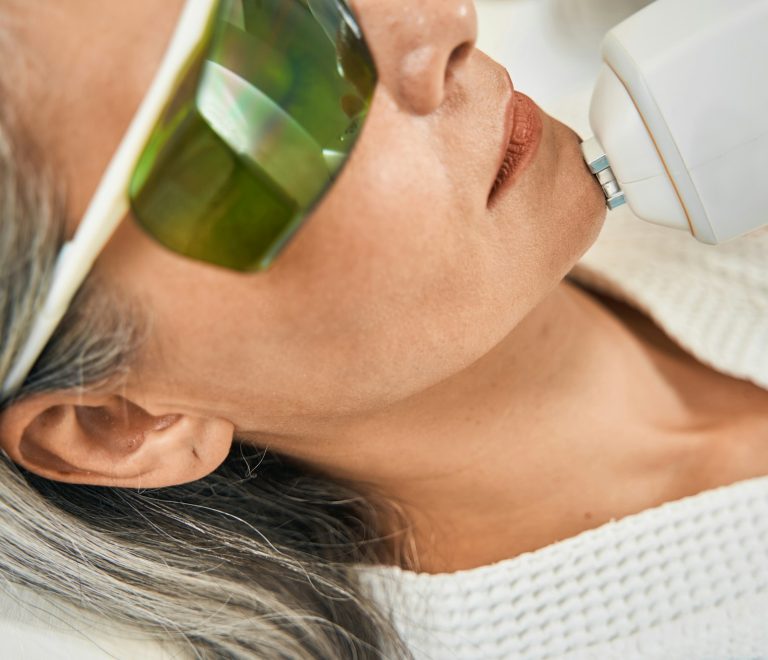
[526,136]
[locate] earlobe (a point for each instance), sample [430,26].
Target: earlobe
[110,441]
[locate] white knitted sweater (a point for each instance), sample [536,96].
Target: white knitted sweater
[687,579]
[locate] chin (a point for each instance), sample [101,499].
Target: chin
[551,219]
[582,213]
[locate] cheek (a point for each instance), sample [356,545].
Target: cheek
[395,276]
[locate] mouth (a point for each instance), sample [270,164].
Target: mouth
[522,137]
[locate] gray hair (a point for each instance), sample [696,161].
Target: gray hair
[256,560]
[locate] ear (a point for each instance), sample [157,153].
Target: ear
[110,441]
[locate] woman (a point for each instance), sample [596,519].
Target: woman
[413,382]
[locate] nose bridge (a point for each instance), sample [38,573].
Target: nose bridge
[416,44]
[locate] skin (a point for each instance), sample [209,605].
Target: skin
[411,338]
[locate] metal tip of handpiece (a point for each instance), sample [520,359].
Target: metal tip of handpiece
[594,155]
[615,201]
[598,164]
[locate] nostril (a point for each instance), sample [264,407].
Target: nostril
[457,57]
[459,54]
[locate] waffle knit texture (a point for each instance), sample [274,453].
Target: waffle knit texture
[687,579]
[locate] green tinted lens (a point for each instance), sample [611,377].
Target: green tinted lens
[263,119]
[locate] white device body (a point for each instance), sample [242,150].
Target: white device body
[681,111]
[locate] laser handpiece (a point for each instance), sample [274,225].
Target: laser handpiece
[680,116]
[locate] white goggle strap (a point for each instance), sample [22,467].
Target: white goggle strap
[110,201]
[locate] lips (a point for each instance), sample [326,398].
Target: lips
[522,137]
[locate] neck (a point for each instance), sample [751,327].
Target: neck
[512,450]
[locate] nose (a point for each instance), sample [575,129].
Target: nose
[419,46]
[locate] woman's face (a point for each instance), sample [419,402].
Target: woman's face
[406,272]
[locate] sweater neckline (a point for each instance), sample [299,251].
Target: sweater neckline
[679,577]
[705,500]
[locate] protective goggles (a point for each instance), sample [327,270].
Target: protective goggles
[251,116]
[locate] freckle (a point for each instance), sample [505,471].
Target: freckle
[588,515]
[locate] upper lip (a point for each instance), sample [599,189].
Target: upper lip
[509,124]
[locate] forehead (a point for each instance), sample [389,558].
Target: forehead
[78,71]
